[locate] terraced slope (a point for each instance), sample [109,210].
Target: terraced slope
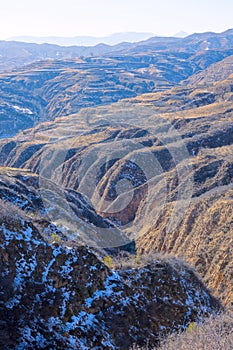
[47,90]
[214,73]
[16,54]
[66,81]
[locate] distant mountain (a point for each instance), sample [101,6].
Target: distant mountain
[193,43]
[181,34]
[113,39]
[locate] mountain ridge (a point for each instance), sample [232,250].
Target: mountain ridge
[18,53]
[85,40]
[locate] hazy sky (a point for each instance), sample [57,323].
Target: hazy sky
[102,17]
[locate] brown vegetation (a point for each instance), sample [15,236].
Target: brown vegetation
[215,333]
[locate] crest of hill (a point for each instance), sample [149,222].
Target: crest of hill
[193,43]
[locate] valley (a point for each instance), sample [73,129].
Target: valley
[121,154]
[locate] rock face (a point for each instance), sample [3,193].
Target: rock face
[54,297]
[64,212]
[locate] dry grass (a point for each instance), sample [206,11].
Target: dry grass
[216,333]
[124,260]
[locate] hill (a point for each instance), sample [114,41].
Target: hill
[57,297]
[213,74]
[16,54]
[45,90]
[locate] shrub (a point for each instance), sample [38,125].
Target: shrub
[108,261]
[55,238]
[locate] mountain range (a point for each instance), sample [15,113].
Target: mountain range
[112,39]
[15,54]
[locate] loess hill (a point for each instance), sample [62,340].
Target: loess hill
[65,80]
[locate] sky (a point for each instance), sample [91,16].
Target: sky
[103,17]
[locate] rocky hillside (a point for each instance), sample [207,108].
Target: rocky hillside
[46,90]
[213,74]
[57,297]
[60,212]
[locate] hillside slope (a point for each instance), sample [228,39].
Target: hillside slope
[56,297]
